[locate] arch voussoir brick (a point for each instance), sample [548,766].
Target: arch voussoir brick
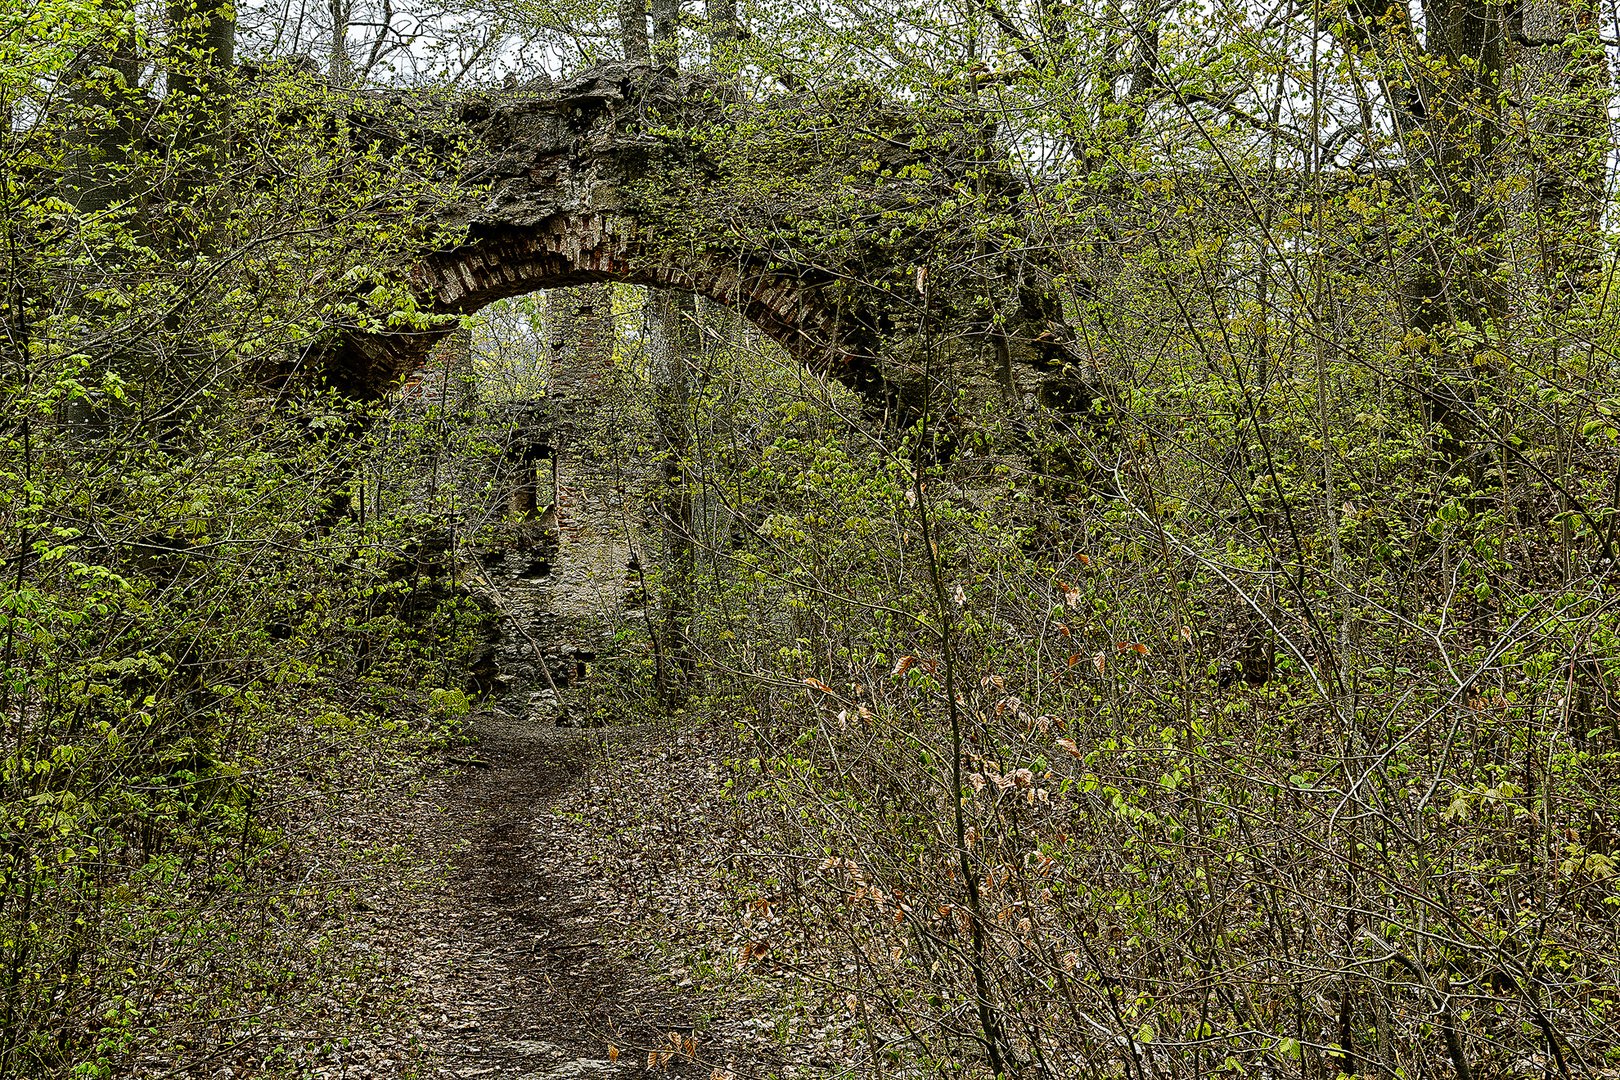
[594,180]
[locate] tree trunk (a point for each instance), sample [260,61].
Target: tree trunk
[724,32]
[106,104]
[202,45]
[672,343]
[1560,89]
[106,110]
[666,43]
[1486,250]
[633,28]
[340,66]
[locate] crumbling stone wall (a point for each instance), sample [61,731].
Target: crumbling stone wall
[592,180]
[598,494]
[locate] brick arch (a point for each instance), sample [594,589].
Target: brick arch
[501,261]
[596,180]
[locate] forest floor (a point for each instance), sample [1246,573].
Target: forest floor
[579,915]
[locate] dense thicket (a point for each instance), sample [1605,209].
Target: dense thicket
[199,647]
[1244,704]
[1256,713]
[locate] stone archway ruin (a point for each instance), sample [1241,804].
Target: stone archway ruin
[607,178]
[588,248]
[636,174]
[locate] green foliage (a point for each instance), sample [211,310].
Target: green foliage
[1190,861]
[1225,685]
[1282,671]
[199,645]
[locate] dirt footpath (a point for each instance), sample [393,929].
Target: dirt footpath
[543,952]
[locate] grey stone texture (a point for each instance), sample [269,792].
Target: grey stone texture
[836,223]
